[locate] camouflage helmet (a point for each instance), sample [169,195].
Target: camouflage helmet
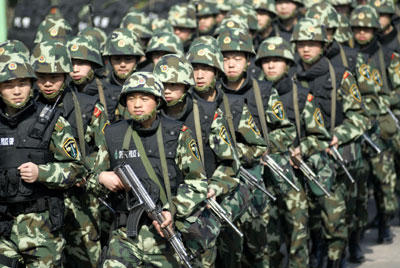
[207,55]
[85,48]
[138,22]
[384,6]
[51,57]
[310,3]
[96,33]
[174,68]
[235,40]
[182,15]
[232,22]
[167,42]
[204,39]
[248,12]
[274,47]
[365,16]
[222,5]
[14,46]
[15,67]
[161,25]
[343,33]
[340,2]
[53,28]
[121,41]
[325,13]
[266,5]
[205,8]
[145,82]
[309,30]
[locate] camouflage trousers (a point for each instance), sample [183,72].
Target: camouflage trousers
[81,230]
[32,243]
[328,226]
[147,249]
[288,220]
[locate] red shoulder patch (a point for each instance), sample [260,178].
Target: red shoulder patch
[346,74]
[216,115]
[310,97]
[184,128]
[96,112]
[393,55]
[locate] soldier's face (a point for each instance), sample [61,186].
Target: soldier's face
[329,33]
[308,50]
[173,92]
[363,35]
[206,23]
[220,16]
[15,91]
[203,74]
[384,20]
[123,64]
[285,8]
[80,69]
[139,103]
[156,56]
[235,63]
[263,19]
[273,66]
[49,83]
[183,33]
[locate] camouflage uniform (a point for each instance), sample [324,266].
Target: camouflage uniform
[250,147]
[30,227]
[53,28]
[148,247]
[349,123]
[220,159]
[83,245]
[384,172]
[281,134]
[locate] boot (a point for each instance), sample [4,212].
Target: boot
[317,250]
[333,263]
[343,260]
[384,233]
[355,251]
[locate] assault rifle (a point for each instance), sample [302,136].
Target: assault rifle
[394,118]
[253,182]
[371,143]
[277,170]
[307,171]
[339,159]
[133,184]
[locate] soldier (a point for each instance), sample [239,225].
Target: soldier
[206,18]
[215,146]
[53,28]
[365,23]
[181,194]
[52,64]
[249,14]
[279,134]
[183,19]
[39,159]
[162,44]
[223,6]
[343,7]
[161,25]
[334,89]
[288,17]
[207,62]
[86,61]
[266,13]
[389,35]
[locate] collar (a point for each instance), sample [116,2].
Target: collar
[370,48]
[146,131]
[319,68]
[29,109]
[284,85]
[332,50]
[247,85]
[386,39]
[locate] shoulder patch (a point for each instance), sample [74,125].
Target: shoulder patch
[96,112]
[216,116]
[377,77]
[104,127]
[346,74]
[319,119]
[278,111]
[310,97]
[224,135]
[393,55]
[355,93]
[193,149]
[59,126]
[365,71]
[184,128]
[253,126]
[71,148]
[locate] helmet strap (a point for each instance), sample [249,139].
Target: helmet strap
[86,79]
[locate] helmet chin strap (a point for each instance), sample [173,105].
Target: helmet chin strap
[89,77]
[175,102]
[18,105]
[144,117]
[313,59]
[278,77]
[240,76]
[55,94]
[206,88]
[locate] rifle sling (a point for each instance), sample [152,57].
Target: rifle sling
[79,125]
[261,111]
[296,109]
[101,95]
[229,117]
[197,126]
[333,96]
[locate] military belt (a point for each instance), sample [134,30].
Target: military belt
[34,206]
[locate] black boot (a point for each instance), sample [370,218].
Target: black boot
[384,233]
[343,260]
[318,250]
[333,263]
[355,251]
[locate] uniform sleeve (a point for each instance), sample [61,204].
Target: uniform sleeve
[354,123]
[194,189]
[317,136]
[250,144]
[224,178]
[394,77]
[94,136]
[68,168]
[282,132]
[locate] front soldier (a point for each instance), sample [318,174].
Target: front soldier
[164,155]
[39,157]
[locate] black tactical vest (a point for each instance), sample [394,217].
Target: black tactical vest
[115,134]
[18,145]
[334,55]
[236,104]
